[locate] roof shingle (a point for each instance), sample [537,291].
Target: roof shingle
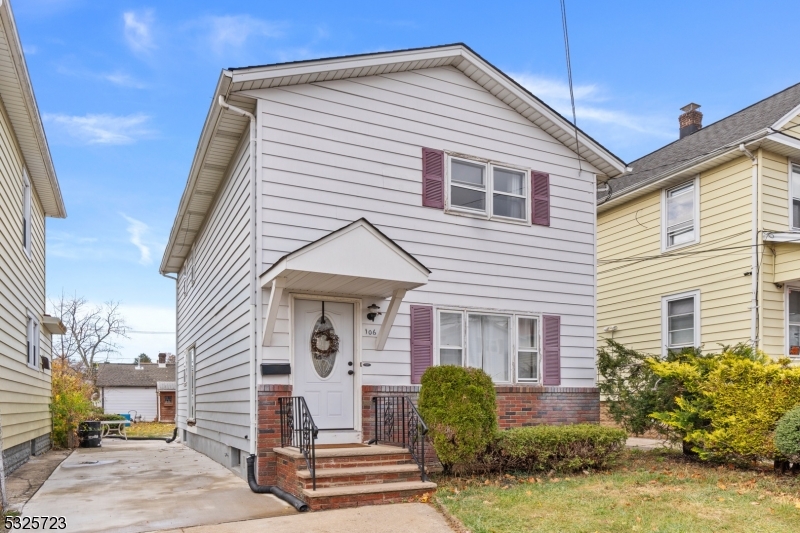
[128,375]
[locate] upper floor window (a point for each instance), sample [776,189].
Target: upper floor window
[26,213]
[33,341]
[795,197]
[485,189]
[680,215]
[680,320]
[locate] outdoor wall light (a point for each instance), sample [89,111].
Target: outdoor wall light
[373,312]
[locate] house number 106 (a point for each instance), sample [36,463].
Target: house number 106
[370,332]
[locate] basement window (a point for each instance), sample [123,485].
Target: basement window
[680,215]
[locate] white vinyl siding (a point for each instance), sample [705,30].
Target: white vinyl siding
[335,151]
[138,401]
[212,311]
[680,320]
[680,215]
[24,390]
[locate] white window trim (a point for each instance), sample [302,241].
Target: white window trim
[191,383]
[27,214]
[664,246]
[539,337]
[514,316]
[489,166]
[33,342]
[786,289]
[793,194]
[665,318]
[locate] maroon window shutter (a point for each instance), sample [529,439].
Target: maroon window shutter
[540,198]
[551,356]
[421,340]
[432,178]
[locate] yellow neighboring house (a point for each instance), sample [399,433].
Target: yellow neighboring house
[699,243]
[29,192]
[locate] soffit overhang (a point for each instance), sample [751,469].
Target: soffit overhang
[356,260]
[232,83]
[19,101]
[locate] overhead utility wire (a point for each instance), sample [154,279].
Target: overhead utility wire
[569,79]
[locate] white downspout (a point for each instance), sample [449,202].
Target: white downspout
[754,242]
[253,437]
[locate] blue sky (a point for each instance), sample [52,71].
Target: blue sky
[124,88]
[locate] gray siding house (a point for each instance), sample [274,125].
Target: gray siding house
[418,206]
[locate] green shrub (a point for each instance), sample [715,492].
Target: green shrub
[730,403]
[561,448]
[105,416]
[787,435]
[459,406]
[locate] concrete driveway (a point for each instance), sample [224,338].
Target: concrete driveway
[138,486]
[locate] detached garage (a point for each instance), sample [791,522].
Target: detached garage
[132,389]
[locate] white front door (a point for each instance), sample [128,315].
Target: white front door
[324,377]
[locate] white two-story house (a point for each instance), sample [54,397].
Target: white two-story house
[348,222]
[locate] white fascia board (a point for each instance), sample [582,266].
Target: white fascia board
[786,140]
[207,133]
[344,63]
[785,119]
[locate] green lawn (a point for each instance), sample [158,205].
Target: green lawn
[648,491]
[150,430]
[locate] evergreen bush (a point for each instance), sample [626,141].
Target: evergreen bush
[561,448]
[460,408]
[787,436]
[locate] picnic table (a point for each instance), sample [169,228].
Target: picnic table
[114,427]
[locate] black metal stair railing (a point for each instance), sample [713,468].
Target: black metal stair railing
[398,422]
[298,430]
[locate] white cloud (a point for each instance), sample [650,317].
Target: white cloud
[69,246]
[590,106]
[232,31]
[102,128]
[123,80]
[29,49]
[138,30]
[137,230]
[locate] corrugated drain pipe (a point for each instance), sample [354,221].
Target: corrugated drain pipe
[297,503]
[174,435]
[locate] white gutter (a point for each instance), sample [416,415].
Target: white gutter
[754,242]
[254,286]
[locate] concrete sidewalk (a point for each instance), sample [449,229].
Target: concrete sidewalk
[649,444]
[135,486]
[27,479]
[396,518]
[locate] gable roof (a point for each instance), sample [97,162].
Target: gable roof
[761,119]
[16,93]
[127,375]
[223,129]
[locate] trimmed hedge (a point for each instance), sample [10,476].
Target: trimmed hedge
[561,448]
[460,408]
[787,435]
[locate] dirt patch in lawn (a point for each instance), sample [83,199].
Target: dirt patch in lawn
[657,491]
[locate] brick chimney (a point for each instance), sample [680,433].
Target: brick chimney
[691,120]
[162,360]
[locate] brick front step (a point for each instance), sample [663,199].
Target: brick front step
[360,475]
[360,495]
[377,455]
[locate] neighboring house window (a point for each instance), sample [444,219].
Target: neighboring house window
[191,383]
[488,190]
[794,323]
[795,197]
[33,342]
[680,215]
[26,213]
[167,399]
[680,316]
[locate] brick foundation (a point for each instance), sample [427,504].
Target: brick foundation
[269,431]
